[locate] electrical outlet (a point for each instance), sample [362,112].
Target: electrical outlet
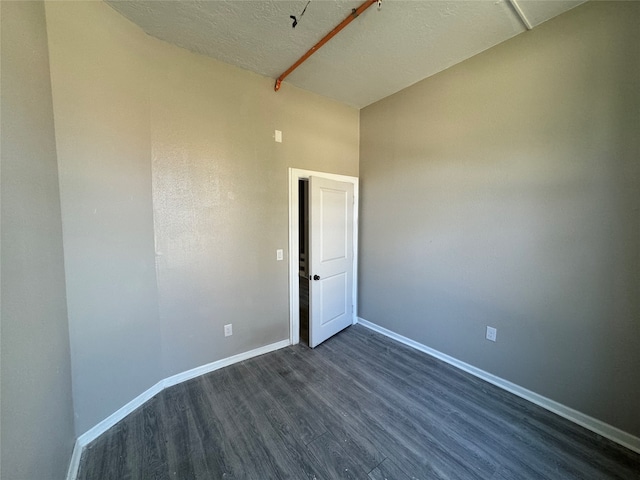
[228,330]
[278,136]
[492,333]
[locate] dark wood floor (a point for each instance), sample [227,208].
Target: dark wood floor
[360,406]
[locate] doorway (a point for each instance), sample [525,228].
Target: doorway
[303,249]
[299,249]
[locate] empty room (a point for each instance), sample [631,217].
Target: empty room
[320,239]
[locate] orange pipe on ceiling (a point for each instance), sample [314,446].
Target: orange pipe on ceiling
[352,16]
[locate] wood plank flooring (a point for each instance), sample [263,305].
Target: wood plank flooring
[359,406]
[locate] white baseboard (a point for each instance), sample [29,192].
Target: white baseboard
[612,433]
[93,433]
[225,362]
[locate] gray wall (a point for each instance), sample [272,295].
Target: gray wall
[36,412]
[505,191]
[174,201]
[220,196]
[101,110]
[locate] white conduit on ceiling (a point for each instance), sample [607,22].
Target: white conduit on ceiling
[523,18]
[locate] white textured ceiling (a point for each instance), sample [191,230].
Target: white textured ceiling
[378,54]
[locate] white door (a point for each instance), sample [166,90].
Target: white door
[331,258]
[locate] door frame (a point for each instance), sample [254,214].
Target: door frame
[295,175]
